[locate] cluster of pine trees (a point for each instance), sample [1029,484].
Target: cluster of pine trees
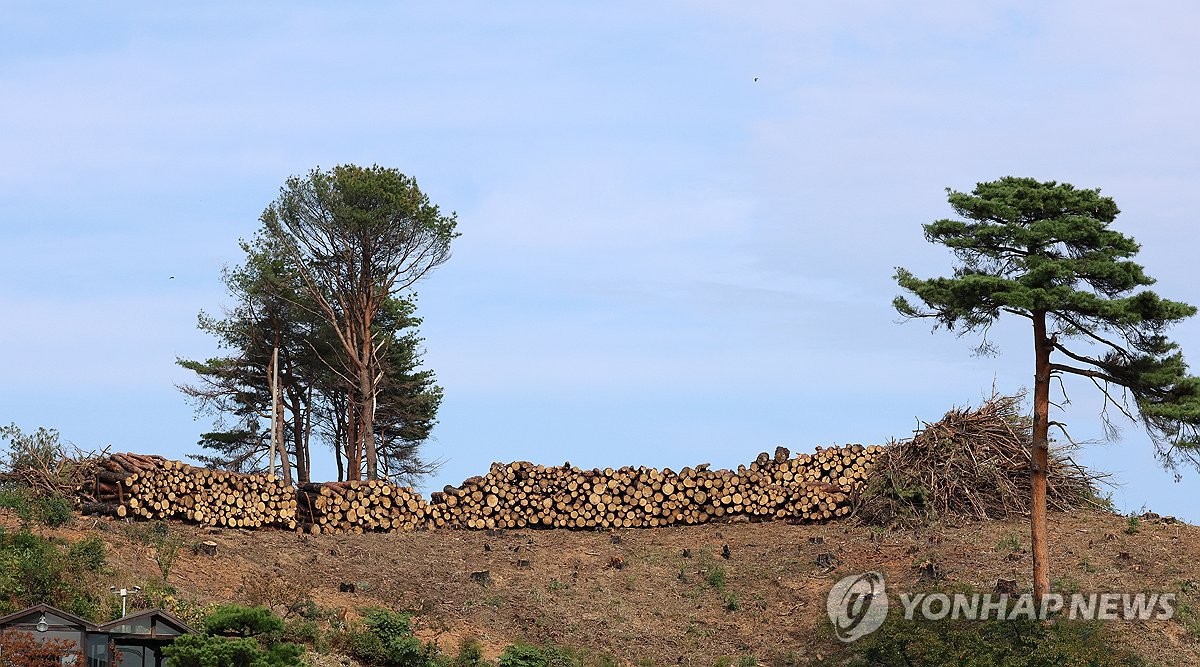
[321,342]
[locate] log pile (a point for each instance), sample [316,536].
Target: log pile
[809,487]
[152,487]
[358,507]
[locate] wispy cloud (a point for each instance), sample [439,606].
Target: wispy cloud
[679,211]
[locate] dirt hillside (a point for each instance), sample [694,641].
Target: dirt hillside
[635,595]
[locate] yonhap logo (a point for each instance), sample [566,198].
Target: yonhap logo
[857,605]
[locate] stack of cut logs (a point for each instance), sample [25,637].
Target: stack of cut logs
[357,507]
[810,487]
[152,487]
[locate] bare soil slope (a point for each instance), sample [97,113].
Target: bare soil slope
[633,594]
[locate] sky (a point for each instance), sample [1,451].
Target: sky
[680,220]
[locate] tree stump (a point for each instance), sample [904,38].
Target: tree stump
[930,571]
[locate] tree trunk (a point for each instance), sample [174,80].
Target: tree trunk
[300,417]
[277,421]
[308,414]
[353,438]
[1040,459]
[274,404]
[337,457]
[366,394]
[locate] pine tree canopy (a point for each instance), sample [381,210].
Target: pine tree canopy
[1044,250]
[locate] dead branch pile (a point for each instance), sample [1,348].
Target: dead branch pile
[153,487]
[63,470]
[971,464]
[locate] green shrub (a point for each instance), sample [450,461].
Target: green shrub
[470,653]
[560,656]
[257,644]
[166,552]
[1010,643]
[716,577]
[235,619]
[19,500]
[55,510]
[285,654]
[34,569]
[385,638]
[88,553]
[208,651]
[52,510]
[523,655]
[1133,525]
[301,631]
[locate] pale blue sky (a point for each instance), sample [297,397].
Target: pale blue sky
[662,261]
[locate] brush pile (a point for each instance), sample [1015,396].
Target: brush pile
[972,464]
[44,465]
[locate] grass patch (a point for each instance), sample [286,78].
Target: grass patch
[716,577]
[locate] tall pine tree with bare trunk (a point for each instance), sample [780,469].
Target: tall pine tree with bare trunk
[1044,251]
[360,237]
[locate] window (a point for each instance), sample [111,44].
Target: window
[97,651]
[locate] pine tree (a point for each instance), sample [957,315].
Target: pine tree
[278,333]
[359,238]
[1044,251]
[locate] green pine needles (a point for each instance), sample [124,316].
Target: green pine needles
[1044,251]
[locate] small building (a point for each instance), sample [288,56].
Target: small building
[139,637]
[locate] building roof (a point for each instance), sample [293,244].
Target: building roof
[159,615]
[43,608]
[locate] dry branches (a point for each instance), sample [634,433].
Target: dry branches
[971,464]
[46,466]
